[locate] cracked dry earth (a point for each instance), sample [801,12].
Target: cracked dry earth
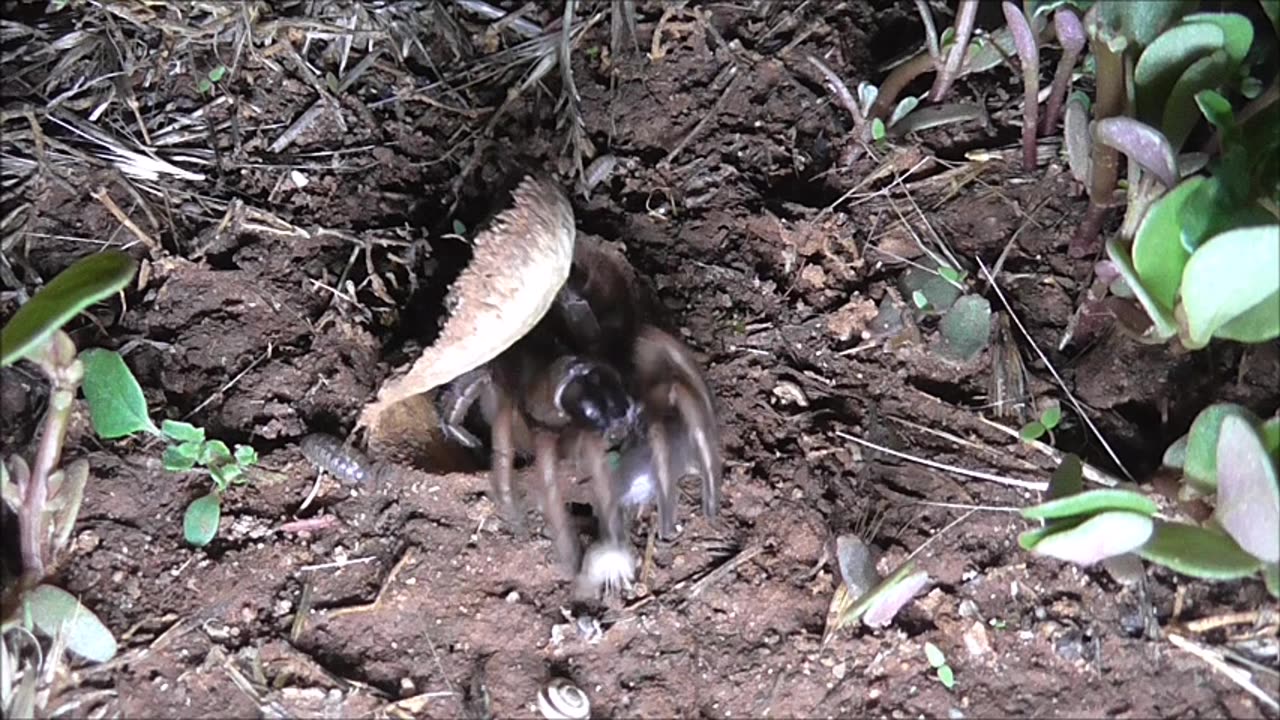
[768,285]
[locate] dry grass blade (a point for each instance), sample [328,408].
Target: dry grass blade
[570,122]
[142,163]
[1012,482]
[1091,473]
[1237,675]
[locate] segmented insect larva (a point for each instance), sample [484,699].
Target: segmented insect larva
[597,172]
[330,454]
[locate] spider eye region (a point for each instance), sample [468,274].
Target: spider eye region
[596,398]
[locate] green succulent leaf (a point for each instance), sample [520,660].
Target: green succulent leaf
[181,457]
[947,676]
[1158,255]
[246,455]
[966,327]
[1233,277]
[54,611]
[1104,535]
[1068,478]
[1077,139]
[1221,203]
[1270,431]
[226,475]
[85,282]
[1248,501]
[1051,416]
[1030,538]
[1198,552]
[117,406]
[1180,117]
[215,452]
[1167,58]
[1176,454]
[200,523]
[939,294]
[1217,110]
[1163,324]
[903,109]
[1258,324]
[181,431]
[1140,23]
[1200,462]
[1271,576]
[68,499]
[1272,9]
[1090,502]
[1235,27]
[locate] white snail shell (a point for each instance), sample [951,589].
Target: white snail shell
[560,699]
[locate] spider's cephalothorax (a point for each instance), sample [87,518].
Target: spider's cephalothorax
[593,379]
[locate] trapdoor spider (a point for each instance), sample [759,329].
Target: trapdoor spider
[594,379]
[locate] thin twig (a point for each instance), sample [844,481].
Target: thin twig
[731,72]
[100,194]
[1061,383]
[841,91]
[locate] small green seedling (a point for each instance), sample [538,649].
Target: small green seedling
[965,324]
[207,82]
[952,275]
[1048,422]
[877,129]
[118,409]
[938,662]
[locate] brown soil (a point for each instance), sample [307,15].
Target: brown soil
[767,281]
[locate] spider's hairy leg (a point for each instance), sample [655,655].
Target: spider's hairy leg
[666,489]
[563,534]
[701,430]
[604,487]
[456,401]
[504,458]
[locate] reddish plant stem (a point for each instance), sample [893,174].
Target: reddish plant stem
[58,360]
[965,17]
[898,79]
[1072,38]
[1029,56]
[1106,160]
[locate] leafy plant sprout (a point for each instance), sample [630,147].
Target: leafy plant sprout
[1048,421]
[118,409]
[46,494]
[1228,458]
[938,661]
[206,83]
